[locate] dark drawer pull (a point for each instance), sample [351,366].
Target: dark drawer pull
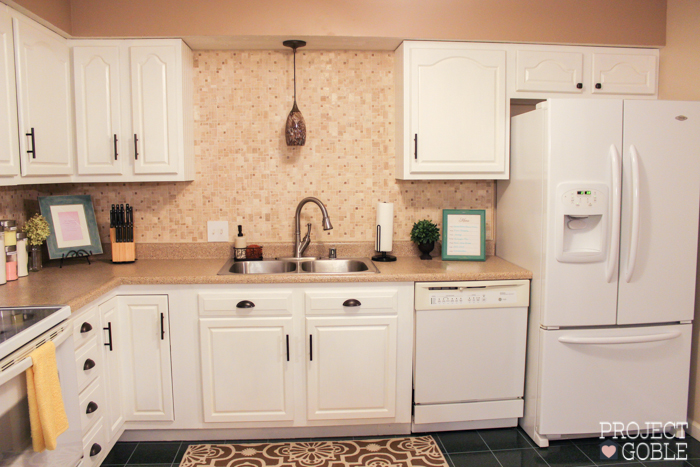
[89,364]
[32,151]
[351,302]
[245,304]
[579,85]
[136,147]
[598,85]
[86,327]
[116,154]
[109,333]
[95,450]
[91,407]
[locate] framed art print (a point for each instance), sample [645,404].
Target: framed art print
[73,225]
[464,234]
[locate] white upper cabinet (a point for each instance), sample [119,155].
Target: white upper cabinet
[97,110]
[45,101]
[9,141]
[135,114]
[624,73]
[451,111]
[549,71]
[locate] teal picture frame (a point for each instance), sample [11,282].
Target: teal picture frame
[81,212]
[463,235]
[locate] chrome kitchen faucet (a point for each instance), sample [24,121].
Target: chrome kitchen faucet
[299,244]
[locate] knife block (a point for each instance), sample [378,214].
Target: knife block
[122,252]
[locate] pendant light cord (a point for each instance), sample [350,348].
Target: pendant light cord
[295,75]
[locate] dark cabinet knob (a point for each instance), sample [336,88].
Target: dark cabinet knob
[86,327]
[91,407]
[89,364]
[245,304]
[351,302]
[598,85]
[95,450]
[579,85]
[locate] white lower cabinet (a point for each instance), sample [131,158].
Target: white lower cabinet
[246,369]
[352,367]
[111,327]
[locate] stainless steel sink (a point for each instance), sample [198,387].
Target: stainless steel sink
[300,266]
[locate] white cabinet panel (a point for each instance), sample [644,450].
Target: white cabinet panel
[111,327]
[624,74]
[145,351]
[351,367]
[154,109]
[97,110]
[451,101]
[9,141]
[45,100]
[549,71]
[246,372]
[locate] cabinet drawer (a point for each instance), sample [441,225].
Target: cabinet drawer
[94,444]
[85,327]
[246,303]
[88,363]
[352,302]
[91,405]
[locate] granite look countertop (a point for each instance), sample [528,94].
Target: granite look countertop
[77,284]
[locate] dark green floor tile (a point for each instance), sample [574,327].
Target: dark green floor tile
[474,459]
[668,463]
[504,438]
[461,441]
[565,456]
[520,458]
[120,454]
[154,453]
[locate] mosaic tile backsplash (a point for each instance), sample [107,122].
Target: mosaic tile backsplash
[246,174]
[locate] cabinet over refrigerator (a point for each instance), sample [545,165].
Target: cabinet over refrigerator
[602,205]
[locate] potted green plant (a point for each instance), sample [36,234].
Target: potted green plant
[37,230]
[425,233]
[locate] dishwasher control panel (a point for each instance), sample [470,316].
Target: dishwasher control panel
[472,294]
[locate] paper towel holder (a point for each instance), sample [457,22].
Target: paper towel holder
[383,257]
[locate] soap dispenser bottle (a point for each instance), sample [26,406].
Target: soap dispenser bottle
[239,245]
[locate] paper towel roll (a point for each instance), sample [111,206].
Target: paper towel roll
[385,226]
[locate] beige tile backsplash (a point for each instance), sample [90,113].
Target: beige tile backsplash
[245,173]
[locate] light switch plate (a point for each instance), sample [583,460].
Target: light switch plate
[217,231]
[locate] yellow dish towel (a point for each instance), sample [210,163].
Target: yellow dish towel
[47,415]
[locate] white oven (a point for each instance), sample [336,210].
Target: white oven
[20,336]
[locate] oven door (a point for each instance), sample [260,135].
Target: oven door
[15,434]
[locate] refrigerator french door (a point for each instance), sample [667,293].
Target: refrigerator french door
[602,206]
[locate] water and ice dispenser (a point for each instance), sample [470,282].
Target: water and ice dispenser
[582,215]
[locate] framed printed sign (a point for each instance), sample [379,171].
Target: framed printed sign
[73,225]
[464,234]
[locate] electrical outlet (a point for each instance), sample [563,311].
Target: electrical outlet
[217,231]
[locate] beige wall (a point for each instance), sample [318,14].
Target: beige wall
[55,12]
[678,79]
[618,22]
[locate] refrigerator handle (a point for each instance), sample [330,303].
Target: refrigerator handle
[634,240]
[666,336]
[616,200]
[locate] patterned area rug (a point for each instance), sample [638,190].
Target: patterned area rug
[394,452]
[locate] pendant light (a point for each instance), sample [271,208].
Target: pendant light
[295,130]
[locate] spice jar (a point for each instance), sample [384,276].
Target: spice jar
[22,255]
[11,262]
[10,228]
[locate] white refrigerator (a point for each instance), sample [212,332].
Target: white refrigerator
[602,206]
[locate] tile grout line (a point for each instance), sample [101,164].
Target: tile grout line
[172,464]
[132,453]
[489,448]
[582,452]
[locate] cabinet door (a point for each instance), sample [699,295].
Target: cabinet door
[154,109]
[549,71]
[111,327]
[458,112]
[246,372]
[144,343]
[44,100]
[97,110]
[9,142]
[351,367]
[624,74]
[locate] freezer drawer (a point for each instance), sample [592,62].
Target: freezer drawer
[633,374]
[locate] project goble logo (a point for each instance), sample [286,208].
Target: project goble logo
[654,441]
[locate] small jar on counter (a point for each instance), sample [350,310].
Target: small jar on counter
[3,272]
[10,228]
[22,255]
[11,262]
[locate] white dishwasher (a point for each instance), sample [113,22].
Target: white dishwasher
[469,367]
